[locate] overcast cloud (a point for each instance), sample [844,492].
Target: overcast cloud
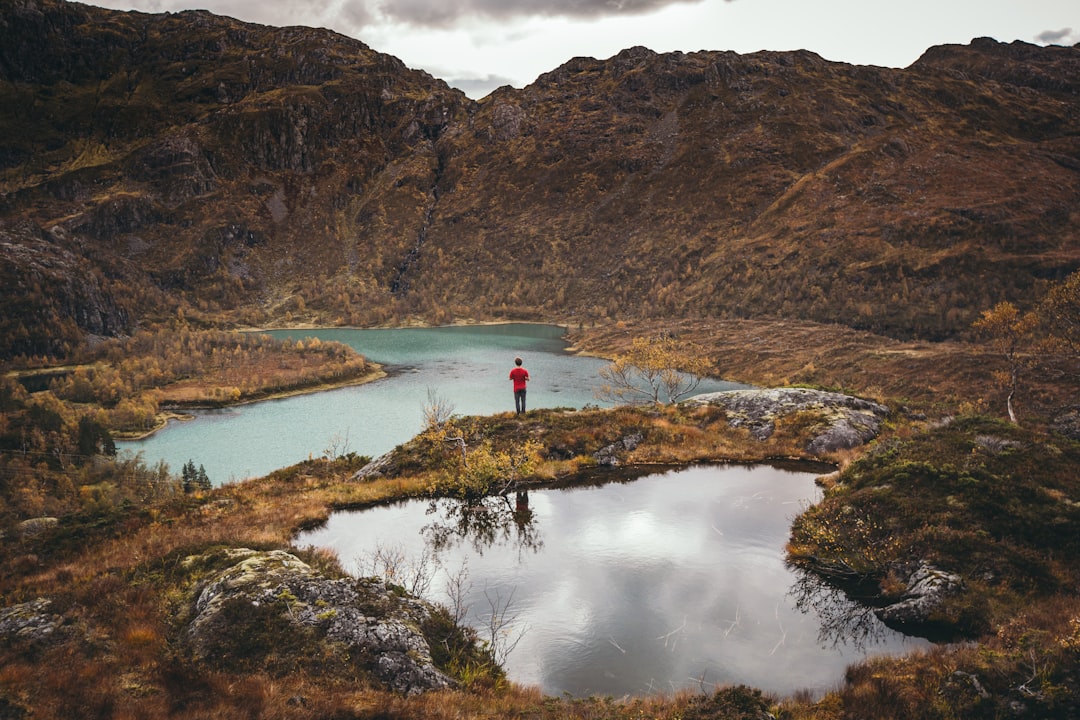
[478,45]
[426,13]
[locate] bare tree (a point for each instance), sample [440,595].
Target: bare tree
[457,589]
[392,565]
[337,446]
[654,371]
[502,637]
[437,410]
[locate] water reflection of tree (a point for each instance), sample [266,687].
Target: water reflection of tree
[844,621]
[483,522]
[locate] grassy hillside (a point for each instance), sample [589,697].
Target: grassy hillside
[155,163]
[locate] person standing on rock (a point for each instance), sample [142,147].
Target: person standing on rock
[520,376]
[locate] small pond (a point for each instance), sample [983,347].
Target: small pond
[669,581]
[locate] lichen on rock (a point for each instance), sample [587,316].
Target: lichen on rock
[32,621]
[364,620]
[927,589]
[849,421]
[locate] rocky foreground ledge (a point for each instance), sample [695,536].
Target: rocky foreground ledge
[252,609]
[365,619]
[846,421]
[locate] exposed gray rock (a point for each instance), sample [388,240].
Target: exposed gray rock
[850,421]
[1068,424]
[343,611]
[30,621]
[609,454]
[374,469]
[34,527]
[927,588]
[995,445]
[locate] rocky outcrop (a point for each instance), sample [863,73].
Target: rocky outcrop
[1068,424]
[927,589]
[377,468]
[845,421]
[35,527]
[361,619]
[50,295]
[32,622]
[608,455]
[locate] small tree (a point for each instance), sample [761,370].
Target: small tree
[94,438]
[1060,313]
[1012,336]
[189,476]
[656,370]
[202,481]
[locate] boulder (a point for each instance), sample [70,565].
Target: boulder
[366,618]
[608,455]
[849,421]
[1068,424]
[29,622]
[927,589]
[32,528]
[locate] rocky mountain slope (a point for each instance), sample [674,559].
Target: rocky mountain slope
[187,163]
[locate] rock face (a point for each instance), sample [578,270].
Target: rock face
[31,622]
[927,588]
[51,296]
[847,421]
[372,623]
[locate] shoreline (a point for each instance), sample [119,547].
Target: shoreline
[172,412]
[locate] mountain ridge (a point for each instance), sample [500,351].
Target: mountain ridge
[239,173]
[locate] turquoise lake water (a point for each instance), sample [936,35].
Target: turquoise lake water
[468,366]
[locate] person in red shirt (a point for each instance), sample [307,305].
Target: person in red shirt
[520,376]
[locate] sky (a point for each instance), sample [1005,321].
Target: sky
[478,45]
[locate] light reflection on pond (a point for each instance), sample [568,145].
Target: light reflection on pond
[669,581]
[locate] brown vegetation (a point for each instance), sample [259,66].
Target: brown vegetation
[327,183]
[114,580]
[133,379]
[131,661]
[56,444]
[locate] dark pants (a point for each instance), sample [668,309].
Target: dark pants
[519,401]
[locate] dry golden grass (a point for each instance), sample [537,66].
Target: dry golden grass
[938,378]
[111,581]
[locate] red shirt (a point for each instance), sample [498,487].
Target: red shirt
[519,375]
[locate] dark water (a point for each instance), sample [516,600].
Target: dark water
[670,581]
[466,366]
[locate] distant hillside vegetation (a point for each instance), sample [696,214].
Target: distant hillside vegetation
[161,164]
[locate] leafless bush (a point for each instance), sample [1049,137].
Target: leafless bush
[414,574]
[437,410]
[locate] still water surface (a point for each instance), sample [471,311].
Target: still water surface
[670,581]
[467,366]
